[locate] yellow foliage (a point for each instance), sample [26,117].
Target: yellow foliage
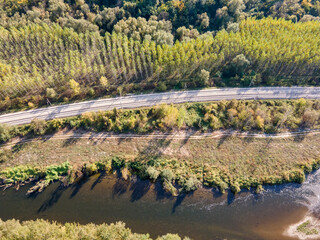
[259,122]
[75,86]
[178,4]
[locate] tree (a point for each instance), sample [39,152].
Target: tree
[237,66]
[51,93]
[204,77]
[140,29]
[5,134]
[75,86]
[104,82]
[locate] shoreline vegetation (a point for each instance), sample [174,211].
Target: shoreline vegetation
[42,229]
[308,228]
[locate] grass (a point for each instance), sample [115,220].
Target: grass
[307,229]
[223,162]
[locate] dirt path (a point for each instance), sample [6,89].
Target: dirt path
[62,135]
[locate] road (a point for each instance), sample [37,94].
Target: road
[145,100]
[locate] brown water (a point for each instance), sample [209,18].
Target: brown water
[145,208]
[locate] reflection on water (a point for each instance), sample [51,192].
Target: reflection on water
[146,208]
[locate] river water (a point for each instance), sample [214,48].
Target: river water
[145,208]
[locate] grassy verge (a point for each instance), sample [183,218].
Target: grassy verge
[180,164]
[41,229]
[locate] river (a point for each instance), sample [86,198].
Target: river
[145,208]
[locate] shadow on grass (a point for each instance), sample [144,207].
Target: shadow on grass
[223,139]
[122,139]
[76,137]
[18,146]
[187,138]
[300,137]
[154,149]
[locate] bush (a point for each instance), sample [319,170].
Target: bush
[152,173]
[19,174]
[161,87]
[38,126]
[75,86]
[191,184]
[117,163]
[55,172]
[5,133]
[167,174]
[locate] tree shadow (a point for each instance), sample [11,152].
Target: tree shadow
[99,179]
[18,146]
[120,187]
[47,137]
[54,198]
[160,192]
[224,138]
[249,139]
[139,189]
[300,137]
[230,198]
[73,139]
[216,193]
[154,149]
[77,186]
[179,201]
[122,138]
[187,138]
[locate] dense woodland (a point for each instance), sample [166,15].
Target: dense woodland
[61,50]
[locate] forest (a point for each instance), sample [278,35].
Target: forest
[61,51]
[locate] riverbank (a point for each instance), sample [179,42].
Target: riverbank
[146,208]
[181,161]
[42,229]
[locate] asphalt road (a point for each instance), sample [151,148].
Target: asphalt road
[145,100]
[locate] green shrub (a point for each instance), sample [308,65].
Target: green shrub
[19,174]
[152,173]
[161,87]
[55,172]
[117,163]
[307,228]
[191,184]
[5,133]
[167,174]
[38,126]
